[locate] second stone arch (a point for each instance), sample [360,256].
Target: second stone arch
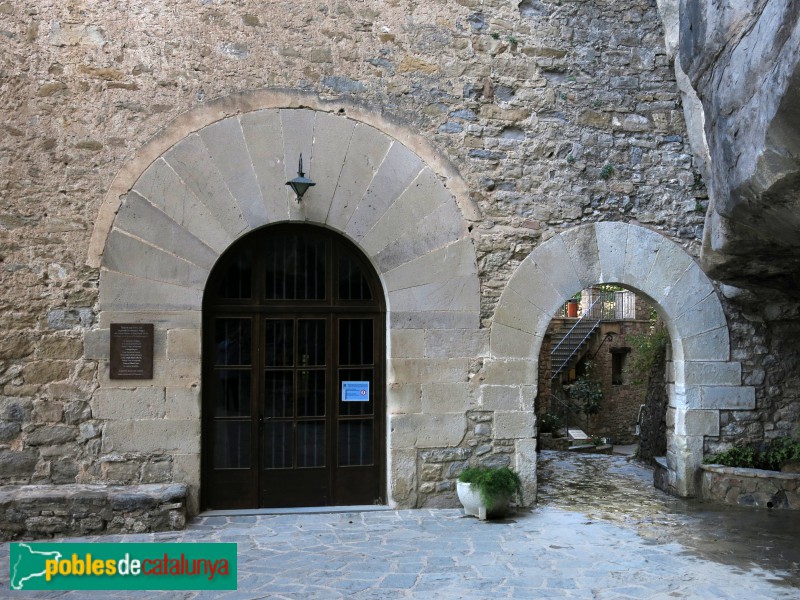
[703,380]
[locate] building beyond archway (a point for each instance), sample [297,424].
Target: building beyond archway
[704,379]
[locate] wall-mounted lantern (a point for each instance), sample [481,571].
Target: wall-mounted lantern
[301,183]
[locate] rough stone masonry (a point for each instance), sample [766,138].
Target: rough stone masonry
[554,113]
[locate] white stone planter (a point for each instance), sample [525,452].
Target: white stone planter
[473,505]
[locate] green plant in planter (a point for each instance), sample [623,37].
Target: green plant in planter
[780,450]
[493,483]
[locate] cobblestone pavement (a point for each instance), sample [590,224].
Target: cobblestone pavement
[600,531]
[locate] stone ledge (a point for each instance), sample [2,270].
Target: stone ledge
[750,487]
[46,511]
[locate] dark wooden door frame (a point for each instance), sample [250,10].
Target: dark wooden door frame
[331,308]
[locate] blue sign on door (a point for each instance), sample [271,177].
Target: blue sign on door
[355,391]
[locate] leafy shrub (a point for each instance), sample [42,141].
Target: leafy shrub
[550,423]
[735,457]
[777,452]
[646,347]
[780,450]
[493,483]
[587,394]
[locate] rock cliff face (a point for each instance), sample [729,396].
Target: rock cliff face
[742,59]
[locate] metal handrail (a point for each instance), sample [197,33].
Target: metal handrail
[615,305]
[568,335]
[565,406]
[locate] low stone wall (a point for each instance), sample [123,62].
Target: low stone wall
[750,487]
[45,511]
[548,442]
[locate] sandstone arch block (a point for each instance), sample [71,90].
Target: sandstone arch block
[612,240]
[532,283]
[692,287]
[324,165]
[564,279]
[440,228]
[144,221]
[161,186]
[228,149]
[192,162]
[668,268]
[509,342]
[581,245]
[263,133]
[124,292]
[364,156]
[641,249]
[129,255]
[452,261]
[398,169]
[424,196]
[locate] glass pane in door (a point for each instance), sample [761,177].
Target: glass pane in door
[231,444]
[311,342]
[355,341]
[278,441]
[231,393]
[310,444]
[279,342]
[311,393]
[278,394]
[237,281]
[355,442]
[294,268]
[352,283]
[232,342]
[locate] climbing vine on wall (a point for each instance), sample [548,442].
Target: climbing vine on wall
[646,348]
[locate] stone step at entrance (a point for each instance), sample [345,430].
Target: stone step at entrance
[575,434]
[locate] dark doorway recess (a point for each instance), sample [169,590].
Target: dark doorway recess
[290,314]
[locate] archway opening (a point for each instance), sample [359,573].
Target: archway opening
[602,375]
[703,378]
[293,373]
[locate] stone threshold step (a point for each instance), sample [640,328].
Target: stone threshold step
[299,510]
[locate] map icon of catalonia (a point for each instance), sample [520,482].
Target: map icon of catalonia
[27,563]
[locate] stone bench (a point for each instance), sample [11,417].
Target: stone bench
[45,511]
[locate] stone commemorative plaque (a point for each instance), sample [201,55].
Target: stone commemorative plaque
[131,351]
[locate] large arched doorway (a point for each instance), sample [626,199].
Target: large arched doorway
[217,174]
[293,373]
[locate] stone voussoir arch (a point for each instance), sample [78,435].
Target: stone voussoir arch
[705,380]
[220,173]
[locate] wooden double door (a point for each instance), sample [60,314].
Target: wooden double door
[293,380]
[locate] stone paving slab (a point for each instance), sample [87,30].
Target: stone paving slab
[557,550]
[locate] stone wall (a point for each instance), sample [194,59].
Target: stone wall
[620,406]
[738,65]
[42,511]
[554,113]
[750,487]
